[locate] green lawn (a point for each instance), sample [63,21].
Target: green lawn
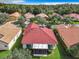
[3,54]
[75,22]
[18,43]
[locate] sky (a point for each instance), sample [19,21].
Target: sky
[38,1]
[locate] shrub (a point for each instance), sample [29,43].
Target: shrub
[20,54]
[3,18]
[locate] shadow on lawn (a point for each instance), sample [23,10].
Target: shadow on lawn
[63,53]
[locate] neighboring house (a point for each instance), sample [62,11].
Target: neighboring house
[55,14]
[8,35]
[42,15]
[38,39]
[74,15]
[15,16]
[28,16]
[69,35]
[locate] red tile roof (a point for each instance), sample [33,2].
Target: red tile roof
[55,14]
[42,15]
[73,15]
[29,16]
[35,34]
[70,35]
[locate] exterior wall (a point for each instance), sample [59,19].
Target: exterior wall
[77,25]
[24,46]
[39,54]
[40,46]
[26,23]
[3,46]
[14,40]
[53,46]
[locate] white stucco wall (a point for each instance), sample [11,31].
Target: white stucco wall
[3,46]
[44,55]
[10,45]
[54,46]
[24,46]
[40,46]
[77,25]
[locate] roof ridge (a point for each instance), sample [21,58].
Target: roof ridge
[47,34]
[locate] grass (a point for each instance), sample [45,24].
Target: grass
[54,55]
[18,43]
[75,22]
[4,54]
[63,53]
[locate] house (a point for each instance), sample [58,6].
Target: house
[28,16]
[42,15]
[69,35]
[55,14]
[38,39]
[74,15]
[8,35]
[15,16]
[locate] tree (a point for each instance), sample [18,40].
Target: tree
[55,20]
[39,20]
[3,18]
[68,20]
[20,22]
[36,11]
[20,54]
[74,51]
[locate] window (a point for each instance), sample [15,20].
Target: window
[5,45]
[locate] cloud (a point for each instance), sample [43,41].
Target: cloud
[55,3]
[12,1]
[18,1]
